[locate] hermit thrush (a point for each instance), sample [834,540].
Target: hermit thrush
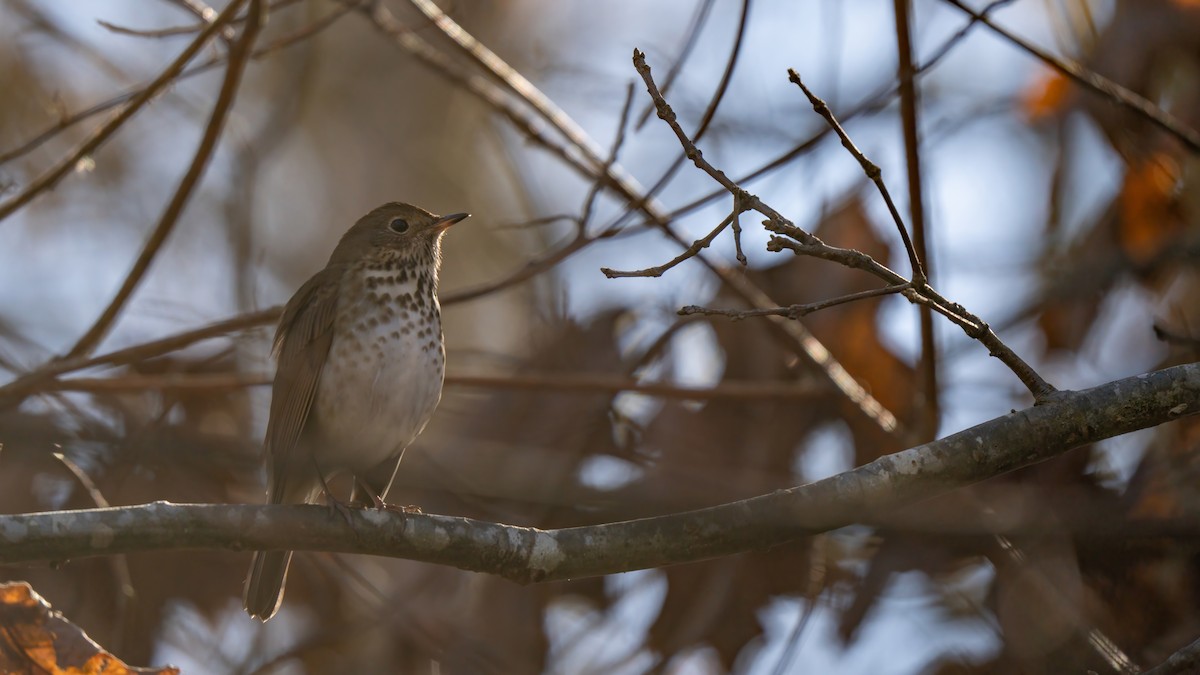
[360,370]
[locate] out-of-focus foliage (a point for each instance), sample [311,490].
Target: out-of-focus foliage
[344,119]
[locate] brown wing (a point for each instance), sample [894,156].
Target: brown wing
[302,345]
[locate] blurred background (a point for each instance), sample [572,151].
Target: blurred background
[1063,219]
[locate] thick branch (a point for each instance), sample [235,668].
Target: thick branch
[526,555]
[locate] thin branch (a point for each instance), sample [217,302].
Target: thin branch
[737,233]
[978,329]
[929,412]
[688,253]
[803,243]
[529,270]
[589,202]
[14,392]
[152,33]
[48,179]
[69,121]
[873,172]
[1097,83]
[527,555]
[206,382]
[125,592]
[205,13]
[699,19]
[238,58]
[795,311]
[568,383]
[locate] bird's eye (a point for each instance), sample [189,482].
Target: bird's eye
[398,225]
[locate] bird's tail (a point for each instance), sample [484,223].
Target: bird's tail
[264,587]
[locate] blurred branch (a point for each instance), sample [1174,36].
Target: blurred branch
[1097,83]
[533,97]
[239,56]
[14,392]
[209,382]
[574,383]
[928,412]
[138,92]
[699,19]
[48,179]
[525,555]
[1186,660]
[154,33]
[578,242]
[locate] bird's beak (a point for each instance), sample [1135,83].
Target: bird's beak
[441,224]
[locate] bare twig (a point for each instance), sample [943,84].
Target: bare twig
[1097,83]
[804,243]
[48,179]
[157,32]
[205,13]
[238,58]
[699,19]
[690,252]
[795,311]
[737,233]
[874,173]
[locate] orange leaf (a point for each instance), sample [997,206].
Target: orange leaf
[36,639]
[1148,219]
[1046,96]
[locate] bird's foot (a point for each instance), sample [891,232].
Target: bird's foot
[340,507]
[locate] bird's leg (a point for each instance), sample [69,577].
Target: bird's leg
[361,485]
[368,484]
[334,503]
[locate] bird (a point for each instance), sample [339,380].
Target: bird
[361,362]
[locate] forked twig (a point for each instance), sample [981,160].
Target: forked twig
[803,243]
